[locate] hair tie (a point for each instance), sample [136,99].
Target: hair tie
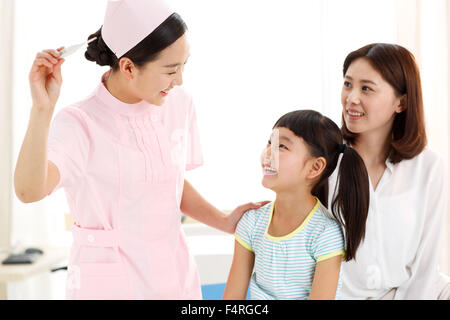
[342,148]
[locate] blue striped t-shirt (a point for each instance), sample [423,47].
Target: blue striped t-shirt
[284,266]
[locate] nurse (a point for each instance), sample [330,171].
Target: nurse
[383,120]
[121,154]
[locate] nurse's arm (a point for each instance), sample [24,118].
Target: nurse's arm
[196,207]
[34,175]
[240,273]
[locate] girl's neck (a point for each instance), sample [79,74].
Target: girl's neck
[294,205]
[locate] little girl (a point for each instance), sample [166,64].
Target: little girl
[292,248]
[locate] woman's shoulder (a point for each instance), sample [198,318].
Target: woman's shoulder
[178,105]
[425,169]
[73,114]
[430,155]
[428,160]
[80,109]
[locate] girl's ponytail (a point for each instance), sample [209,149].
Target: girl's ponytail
[351,204]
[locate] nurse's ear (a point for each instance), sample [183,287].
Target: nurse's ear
[127,68]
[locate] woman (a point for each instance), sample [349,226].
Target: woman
[383,120]
[121,154]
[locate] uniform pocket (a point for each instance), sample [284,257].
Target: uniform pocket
[98,281]
[98,272]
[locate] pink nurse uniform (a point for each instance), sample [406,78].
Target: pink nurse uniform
[122,168]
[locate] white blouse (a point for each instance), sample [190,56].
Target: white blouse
[403,232]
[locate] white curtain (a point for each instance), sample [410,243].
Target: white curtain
[6,38]
[424,28]
[251,62]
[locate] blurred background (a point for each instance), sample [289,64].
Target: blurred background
[251,62]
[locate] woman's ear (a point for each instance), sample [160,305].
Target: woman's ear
[317,167]
[402,105]
[127,68]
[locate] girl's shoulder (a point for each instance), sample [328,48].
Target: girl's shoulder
[252,225]
[325,215]
[322,220]
[257,215]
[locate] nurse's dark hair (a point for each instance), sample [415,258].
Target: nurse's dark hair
[145,51]
[351,203]
[398,67]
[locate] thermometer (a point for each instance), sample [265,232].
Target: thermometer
[72,49]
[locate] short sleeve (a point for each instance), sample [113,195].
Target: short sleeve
[329,243]
[194,157]
[68,146]
[244,229]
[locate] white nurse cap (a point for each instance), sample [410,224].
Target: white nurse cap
[128,22]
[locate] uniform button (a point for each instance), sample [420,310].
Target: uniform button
[90,238]
[154,118]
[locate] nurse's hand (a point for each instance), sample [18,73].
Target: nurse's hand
[45,79]
[234,217]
